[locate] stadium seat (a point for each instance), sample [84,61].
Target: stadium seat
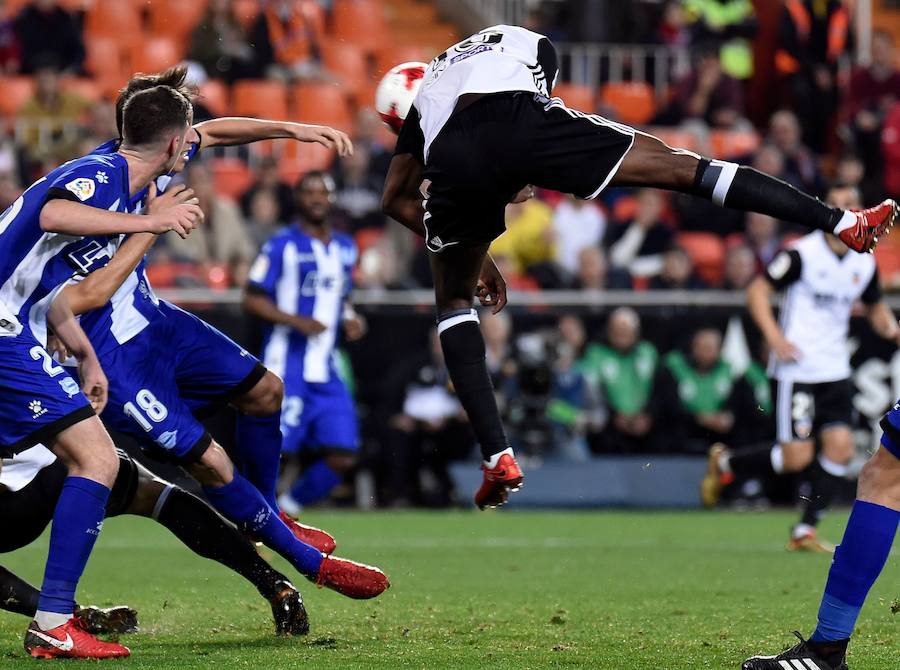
[155,54]
[391,55]
[16,92]
[733,143]
[232,177]
[632,101]
[576,96]
[114,19]
[175,18]
[707,251]
[348,62]
[321,103]
[214,96]
[367,238]
[245,11]
[361,22]
[296,159]
[86,89]
[105,62]
[265,99]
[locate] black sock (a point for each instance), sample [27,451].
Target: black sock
[17,595]
[464,355]
[823,488]
[752,462]
[205,533]
[833,653]
[741,187]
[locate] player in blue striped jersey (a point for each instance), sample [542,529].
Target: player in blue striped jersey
[299,285]
[52,232]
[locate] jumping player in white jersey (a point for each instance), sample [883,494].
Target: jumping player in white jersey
[810,368]
[482,128]
[44,240]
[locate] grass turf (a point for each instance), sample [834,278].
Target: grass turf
[509,589]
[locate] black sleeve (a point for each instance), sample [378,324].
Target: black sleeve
[411,139]
[873,292]
[784,269]
[548,62]
[60,194]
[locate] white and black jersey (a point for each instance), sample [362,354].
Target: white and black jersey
[820,289]
[483,125]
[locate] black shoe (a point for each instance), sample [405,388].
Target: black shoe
[109,620]
[803,656]
[289,612]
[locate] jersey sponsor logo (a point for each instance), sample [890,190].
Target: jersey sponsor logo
[314,283]
[481,48]
[260,269]
[779,266]
[84,258]
[63,645]
[83,188]
[95,531]
[37,409]
[69,387]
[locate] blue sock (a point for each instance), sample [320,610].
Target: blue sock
[258,441]
[315,483]
[857,563]
[76,525]
[243,505]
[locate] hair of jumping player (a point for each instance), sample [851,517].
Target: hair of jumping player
[175,78]
[148,115]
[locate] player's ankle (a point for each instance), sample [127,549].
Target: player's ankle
[50,620]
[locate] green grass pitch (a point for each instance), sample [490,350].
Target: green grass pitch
[508,589]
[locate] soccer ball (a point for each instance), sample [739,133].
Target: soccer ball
[396,92]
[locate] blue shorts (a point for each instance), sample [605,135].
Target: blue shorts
[38,399]
[172,371]
[318,417]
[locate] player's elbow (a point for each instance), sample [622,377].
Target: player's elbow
[52,219]
[389,205]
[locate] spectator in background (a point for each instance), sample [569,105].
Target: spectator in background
[728,24]
[9,188]
[500,358]
[264,220]
[368,132]
[812,38]
[223,241]
[851,171]
[571,404]
[50,117]
[710,96]
[761,236]
[219,44]
[677,273]
[528,240]
[593,272]
[577,224]
[871,93]
[45,31]
[359,191]
[740,267]
[268,179]
[98,127]
[622,372]
[770,160]
[380,268]
[672,29]
[638,246]
[800,166]
[286,39]
[10,55]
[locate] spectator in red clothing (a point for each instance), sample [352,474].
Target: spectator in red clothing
[890,146]
[708,94]
[870,95]
[286,38]
[47,32]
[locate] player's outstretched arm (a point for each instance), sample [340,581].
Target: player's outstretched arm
[759,294]
[402,198]
[234,130]
[883,321]
[67,329]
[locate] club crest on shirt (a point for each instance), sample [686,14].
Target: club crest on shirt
[83,188]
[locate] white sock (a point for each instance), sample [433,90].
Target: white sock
[848,220]
[832,468]
[725,462]
[802,529]
[493,460]
[48,620]
[777,457]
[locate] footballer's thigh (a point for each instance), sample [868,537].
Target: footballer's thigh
[335,430]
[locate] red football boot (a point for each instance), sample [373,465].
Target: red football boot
[870,224]
[352,579]
[70,640]
[314,537]
[498,481]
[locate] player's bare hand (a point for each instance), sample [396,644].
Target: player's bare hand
[309,327]
[785,351]
[526,193]
[491,288]
[56,348]
[94,382]
[355,328]
[327,137]
[177,195]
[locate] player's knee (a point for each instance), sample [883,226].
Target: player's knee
[214,468]
[265,398]
[146,496]
[838,447]
[798,455]
[341,463]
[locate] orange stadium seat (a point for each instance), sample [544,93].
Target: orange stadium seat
[708,254]
[175,18]
[245,11]
[576,96]
[155,54]
[348,62]
[633,101]
[232,177]
[367,238]
[86,89]
[214,96]
[104,61]
[733,143]
[391,55]
[16,91]
[296,159]
[114,19]
[265,99]
[361,22]
[321,103]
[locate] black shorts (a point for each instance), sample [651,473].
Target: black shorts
[24,514]
[492,149]
[802,411]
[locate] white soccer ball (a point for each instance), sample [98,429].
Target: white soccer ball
[396,92]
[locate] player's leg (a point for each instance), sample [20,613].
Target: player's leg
[257,434]
[17,595]
[651,162]
[455,270]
